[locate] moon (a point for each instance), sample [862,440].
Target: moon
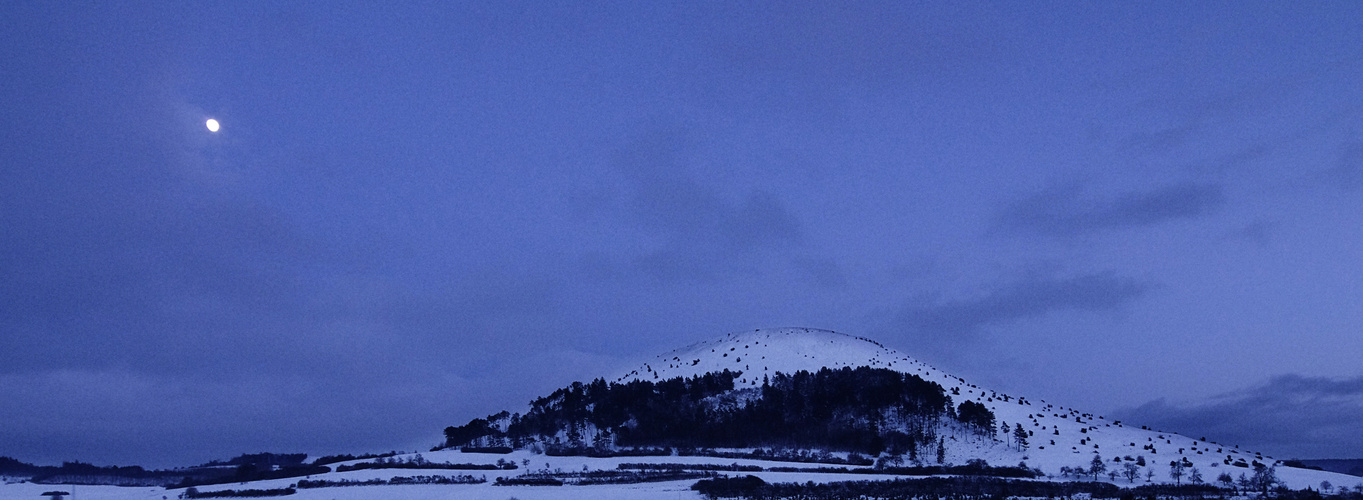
[212,125]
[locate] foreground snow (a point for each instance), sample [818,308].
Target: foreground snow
[1295,478]
[677,490]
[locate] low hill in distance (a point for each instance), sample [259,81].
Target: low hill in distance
[1352,467]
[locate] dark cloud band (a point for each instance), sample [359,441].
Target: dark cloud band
[1067,212]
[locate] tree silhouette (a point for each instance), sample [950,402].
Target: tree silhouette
[1176,471]
[1097,466]
[1131,471]
[1265,478]
[1020,437]
[1225,480]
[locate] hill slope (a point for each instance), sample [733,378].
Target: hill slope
[1057,436]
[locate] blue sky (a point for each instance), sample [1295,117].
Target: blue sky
[419,214]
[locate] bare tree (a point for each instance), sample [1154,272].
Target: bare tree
[1176,471]
[1131,471]
[1225,480]
[1265,478]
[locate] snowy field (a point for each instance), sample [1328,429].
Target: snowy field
[1294,478]
[659,491]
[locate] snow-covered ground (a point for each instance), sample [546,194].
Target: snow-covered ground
[661,490]
[1059,436]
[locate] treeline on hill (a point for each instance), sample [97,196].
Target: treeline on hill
[251,467]
[266,460]
[865,410]
[418,462]
[248,467]
[83,473]
[346,457]
[13,467]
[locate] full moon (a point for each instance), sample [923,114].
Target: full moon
[212,125]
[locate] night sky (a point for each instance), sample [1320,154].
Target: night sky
[418,214]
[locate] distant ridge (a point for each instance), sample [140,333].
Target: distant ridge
[1352,467]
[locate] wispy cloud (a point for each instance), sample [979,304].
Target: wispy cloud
[1289,416]
[1347,173]
[946,326]
[692,230]
[664,196]
[1067,211]
[1257,233]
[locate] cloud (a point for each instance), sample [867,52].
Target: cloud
[663,196]
[1067,212]
[692,230]
[946,326]
[685,210]
[1290,416]
[1347,174]
[1258,233]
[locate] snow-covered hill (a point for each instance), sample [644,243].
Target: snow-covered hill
[1058,436]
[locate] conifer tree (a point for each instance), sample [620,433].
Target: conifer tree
[1020,437]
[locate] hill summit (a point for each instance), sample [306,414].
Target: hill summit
[765,352]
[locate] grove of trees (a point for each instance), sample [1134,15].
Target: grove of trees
[865,410]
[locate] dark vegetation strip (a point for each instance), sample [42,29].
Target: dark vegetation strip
[980,468]
[248,473]
[425,466]
[276,492]
[600,477]
[689,467]
[605,452]
[400,480]
[346,457]
[527,481]
[780,455]
[863,410]
[973,488]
